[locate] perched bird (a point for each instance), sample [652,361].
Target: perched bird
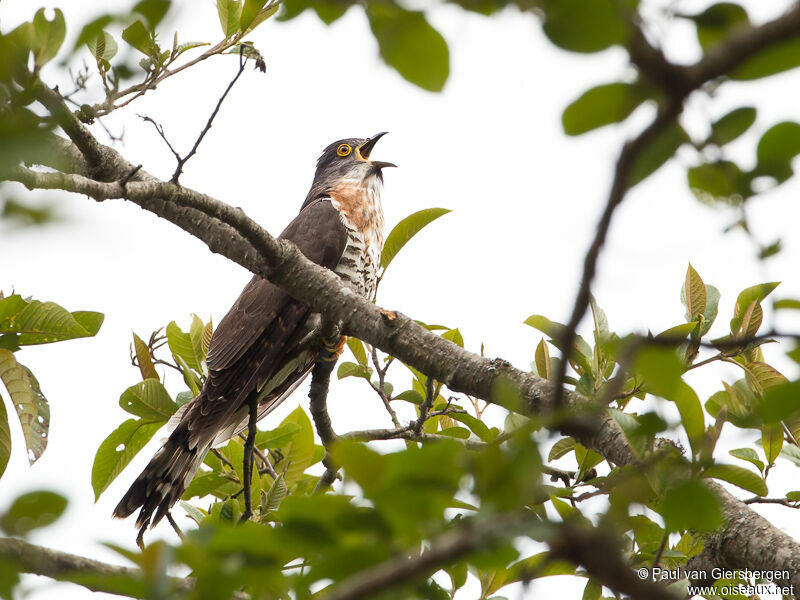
[268,342]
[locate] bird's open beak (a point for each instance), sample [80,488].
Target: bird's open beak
[365,149]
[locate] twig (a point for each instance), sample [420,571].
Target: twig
[781,501]
[619,186]
[223,458]
[661,547]
[175,525]
[407,433]
[160,130]
[266,465]
[185,159]
[247,466]
[380,388]
[426,405]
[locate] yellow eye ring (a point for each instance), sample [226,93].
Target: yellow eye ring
[343,150]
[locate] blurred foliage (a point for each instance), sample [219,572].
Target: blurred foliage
[463,473]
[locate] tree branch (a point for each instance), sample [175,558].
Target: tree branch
[62,566]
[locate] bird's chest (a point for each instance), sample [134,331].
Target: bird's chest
[361,213]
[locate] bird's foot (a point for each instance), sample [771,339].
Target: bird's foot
[332,350]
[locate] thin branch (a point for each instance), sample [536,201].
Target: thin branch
[406,433]
[625,162]
[380,389]
[781,501]
[426,405]
[185,159]
[160,130]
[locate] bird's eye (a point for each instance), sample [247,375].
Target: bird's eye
[343,150]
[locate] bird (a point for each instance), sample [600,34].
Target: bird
[268,342]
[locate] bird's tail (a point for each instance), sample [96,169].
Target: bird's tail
[164,479]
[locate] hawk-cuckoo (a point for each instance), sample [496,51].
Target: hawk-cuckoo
[267,343]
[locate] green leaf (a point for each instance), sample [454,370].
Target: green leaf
[710,312]
[409,44]
[791,453]
[561,447]
[719,182]
[180,49]
[658,151]
[185,346]
[31,406]
[229,12]
[601,105]
[139,37]
[460,433]
[412,396]
[91,30]
[793,496]
[143,359]
[754,294]
[477,426]
[542,360]
[772,442]
[299,452]
[638,438]
[148,399]
[581,354]
[152,10]
[749,455]
[31,511]
[717,22]
[705,514]
[732,125]
[262,16]
[103,47]
[661,370]
[587,26]
[348,369]
[196,333]
[593,590]
[195,514]
[5,438]
[776,58]
[205,483]
[738,476]
[272,499]
[48,36]
[587,460]
[407,229]
[44,322]
[118,449]
[357,348]
[776,149]
[250,11]
[786,303]
[454,335]
[275,438]
[693,294]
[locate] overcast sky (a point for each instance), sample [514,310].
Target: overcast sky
[525,201]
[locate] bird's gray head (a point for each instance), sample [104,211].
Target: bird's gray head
[346,159]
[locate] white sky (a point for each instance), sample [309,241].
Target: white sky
[525,202]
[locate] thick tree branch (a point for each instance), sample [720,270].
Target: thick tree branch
[589,548]
[62,566]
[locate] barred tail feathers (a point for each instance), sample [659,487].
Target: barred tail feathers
[164,479]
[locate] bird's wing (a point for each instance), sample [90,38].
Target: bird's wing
[321,236]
